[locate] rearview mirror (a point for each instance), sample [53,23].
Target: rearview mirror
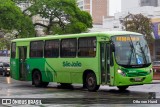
[112,47]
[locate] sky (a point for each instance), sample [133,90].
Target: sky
[114,6]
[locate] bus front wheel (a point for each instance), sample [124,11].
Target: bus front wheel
[122,88]
[37,80]
[91,82]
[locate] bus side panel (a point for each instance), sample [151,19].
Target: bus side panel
[14,68]
[54,67]
[85,64]
[49,69]
[70,70]
[39,64]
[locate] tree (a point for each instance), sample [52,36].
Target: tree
[138,23]
[5,39]
[63,16]
[13,20]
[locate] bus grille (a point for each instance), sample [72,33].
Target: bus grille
[137,74]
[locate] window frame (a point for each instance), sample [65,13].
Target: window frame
[52,48]
[12,50]
[68,47]
[41,50]
[88,38]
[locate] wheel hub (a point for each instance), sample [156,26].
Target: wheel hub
[90,81]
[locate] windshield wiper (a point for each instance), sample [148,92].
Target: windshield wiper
[132,50]
[142,51]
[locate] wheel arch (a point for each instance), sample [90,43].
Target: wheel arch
[33,72]
[89,71]
[41,82]
[36,70]
[43,75]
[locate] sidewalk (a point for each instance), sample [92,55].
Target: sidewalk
[155,82]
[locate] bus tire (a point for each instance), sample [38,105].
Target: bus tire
[45,84]
[91,82]
[37,79]
[122,88]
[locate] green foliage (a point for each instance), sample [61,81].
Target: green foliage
[11,18]
[5,39]
[138,23]
[76,27]
[84,17]
[27,28]
[64,16]
[9,15]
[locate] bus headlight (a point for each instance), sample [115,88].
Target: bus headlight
[151,70]
[121,72]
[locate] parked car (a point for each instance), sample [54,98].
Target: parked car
[4,69]
[156,66]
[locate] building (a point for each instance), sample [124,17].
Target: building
[97,8]
[149,3]
[125,5]
[150,9]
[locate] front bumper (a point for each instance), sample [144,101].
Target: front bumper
[127,81]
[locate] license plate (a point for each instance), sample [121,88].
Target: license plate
[137,79]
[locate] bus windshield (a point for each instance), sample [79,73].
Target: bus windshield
[131,51]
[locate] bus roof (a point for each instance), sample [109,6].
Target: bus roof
[107,33]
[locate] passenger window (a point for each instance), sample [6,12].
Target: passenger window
[87,47]
[68,47]
[51,48]
[36,49]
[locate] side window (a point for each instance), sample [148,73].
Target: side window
[36,49]
[13,50]
[51,48]
[111,55]
[68,47]
[87,47]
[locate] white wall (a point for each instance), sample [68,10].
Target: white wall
[127,4]
[158,2]
[112,24]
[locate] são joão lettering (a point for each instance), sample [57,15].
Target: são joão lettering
[71,64]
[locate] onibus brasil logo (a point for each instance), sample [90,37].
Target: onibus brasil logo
[71,64]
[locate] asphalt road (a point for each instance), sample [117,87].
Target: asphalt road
[55,95]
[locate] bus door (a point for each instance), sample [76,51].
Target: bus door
[105,62]
[22,62]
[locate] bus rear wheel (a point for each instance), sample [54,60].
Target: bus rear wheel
[122,88]
[91,82]
[37,80]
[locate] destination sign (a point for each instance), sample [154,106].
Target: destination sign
[125,39]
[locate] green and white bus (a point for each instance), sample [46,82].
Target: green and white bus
[114,58]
